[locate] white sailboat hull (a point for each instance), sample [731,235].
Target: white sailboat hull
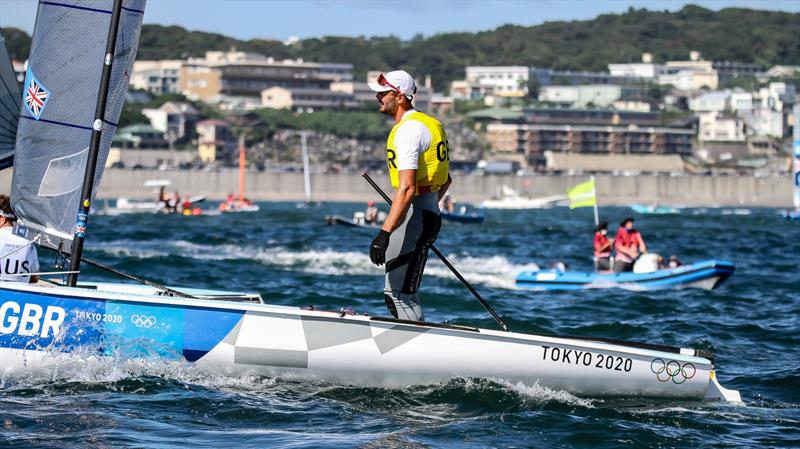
[522,203]
[41,326]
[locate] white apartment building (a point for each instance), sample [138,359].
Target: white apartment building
[716,101]
[645,69]
[602,95]
[157,77]
[307,100]
[176,120]
[777,96]
[690,75]
[502,81]
[689,79]
[764,122]
[740,101]
[717,127]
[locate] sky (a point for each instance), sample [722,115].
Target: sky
[281,19]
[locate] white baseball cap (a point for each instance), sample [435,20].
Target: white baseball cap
[397,80]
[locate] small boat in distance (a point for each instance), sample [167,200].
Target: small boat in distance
[511,199]
[163,204]
[240,204]
[653,209]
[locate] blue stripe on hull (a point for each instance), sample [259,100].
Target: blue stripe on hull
[42,322]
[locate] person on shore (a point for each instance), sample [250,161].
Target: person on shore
[602,248]
[371,213]
[18,257]
[417,156]
[626,246]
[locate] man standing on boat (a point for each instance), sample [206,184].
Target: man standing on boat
[417,154]
[18,256]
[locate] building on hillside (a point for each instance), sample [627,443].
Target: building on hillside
[581,96]
[765,122]
[215,141]
[240,77]
[777,96]
[727,70]
[336,71]
[501,81]
[634,105]
[157,77]
[691,75]
[779,71]
[740,100]
[549,77]
[307,99]
[714,101]
[497,115]
[139,136]
[716,126]
[642,70]
[176,120]
[533,140]
[460,90]
[442,105]
[604,117]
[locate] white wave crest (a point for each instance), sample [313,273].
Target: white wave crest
[494,271]
[536,393]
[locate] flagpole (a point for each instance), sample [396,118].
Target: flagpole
[596,213]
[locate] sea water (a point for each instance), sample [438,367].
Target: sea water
[291,257]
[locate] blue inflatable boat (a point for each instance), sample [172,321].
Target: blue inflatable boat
[706,274]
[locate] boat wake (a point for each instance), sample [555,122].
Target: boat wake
[85,369]
[495,271]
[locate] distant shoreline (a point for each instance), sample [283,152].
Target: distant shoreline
[687,190]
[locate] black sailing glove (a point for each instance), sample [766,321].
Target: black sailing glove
[377,251]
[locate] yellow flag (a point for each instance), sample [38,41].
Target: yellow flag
[582,195]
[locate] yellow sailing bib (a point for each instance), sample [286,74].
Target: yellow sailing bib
[433,163]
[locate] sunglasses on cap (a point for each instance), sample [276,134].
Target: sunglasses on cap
[385,83]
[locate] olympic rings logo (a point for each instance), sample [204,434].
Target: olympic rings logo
[143,321]
[672,370]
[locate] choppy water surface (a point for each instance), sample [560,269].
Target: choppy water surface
[290,257]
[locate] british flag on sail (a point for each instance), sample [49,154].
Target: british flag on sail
[36,95]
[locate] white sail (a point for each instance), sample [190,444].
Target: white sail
[58,109]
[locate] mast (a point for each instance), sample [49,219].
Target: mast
[94,147]
[241,169]
[596,212]
[306,174]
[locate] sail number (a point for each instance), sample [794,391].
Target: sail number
[585,358]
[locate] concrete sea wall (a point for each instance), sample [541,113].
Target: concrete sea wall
[622,190]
